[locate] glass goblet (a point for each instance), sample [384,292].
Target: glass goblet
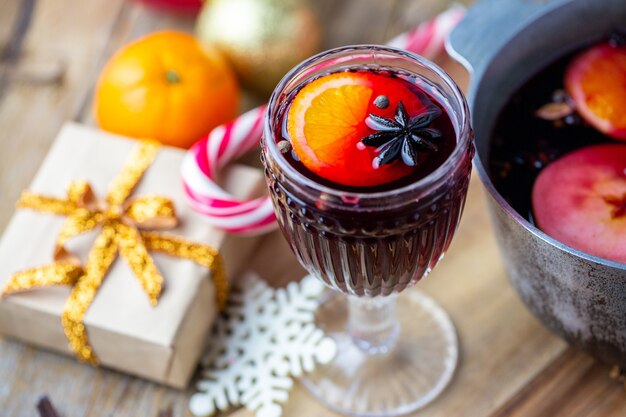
[395,354]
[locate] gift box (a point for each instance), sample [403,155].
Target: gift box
[125,331]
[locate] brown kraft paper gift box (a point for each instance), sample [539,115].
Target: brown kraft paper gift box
[161,343]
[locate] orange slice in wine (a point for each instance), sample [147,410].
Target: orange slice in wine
[326,122]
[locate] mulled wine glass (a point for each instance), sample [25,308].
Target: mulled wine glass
[395,354]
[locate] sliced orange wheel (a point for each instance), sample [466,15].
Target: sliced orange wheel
[326,122]
[596,80]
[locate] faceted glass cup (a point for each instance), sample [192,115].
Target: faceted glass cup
[395,355]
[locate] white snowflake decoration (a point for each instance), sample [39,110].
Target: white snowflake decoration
[266,337]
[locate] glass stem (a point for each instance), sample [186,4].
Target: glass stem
[372,323]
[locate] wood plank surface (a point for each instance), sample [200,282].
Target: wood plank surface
[510,365]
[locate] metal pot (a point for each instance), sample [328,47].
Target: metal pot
[580,297]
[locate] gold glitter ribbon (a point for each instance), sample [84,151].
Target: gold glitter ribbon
[128,229]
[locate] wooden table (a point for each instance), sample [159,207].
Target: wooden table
[510,365]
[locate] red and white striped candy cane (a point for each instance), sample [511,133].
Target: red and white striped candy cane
[201,168]
[210,154]
[428,38]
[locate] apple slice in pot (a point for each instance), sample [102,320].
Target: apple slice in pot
[580,200]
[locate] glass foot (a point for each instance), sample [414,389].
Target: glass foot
[405,377]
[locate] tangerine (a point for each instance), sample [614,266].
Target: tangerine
[168,87]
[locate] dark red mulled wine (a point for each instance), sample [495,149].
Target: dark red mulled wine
[377,239]
[558,151]
[426,164]
[523,143]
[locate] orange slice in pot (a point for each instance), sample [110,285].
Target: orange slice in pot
[596,80]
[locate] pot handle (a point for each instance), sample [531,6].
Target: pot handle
[489,25]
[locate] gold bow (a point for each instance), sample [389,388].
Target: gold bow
[124,222]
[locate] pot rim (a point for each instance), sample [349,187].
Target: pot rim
[509,210]
[539,11]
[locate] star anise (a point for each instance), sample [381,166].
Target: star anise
[403,136]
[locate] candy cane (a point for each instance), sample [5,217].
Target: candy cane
[210,154]
[428,38]
[202,165]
